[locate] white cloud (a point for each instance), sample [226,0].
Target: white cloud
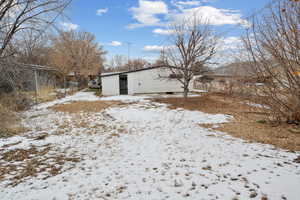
[229,49]
[230,43]
[153,48]
[115,43]
[183,4]
[156,48]
[101,11]
[69,26]
[146,13]
[156,13]
[232,40]
[189,3]
[214,15]
[163,31]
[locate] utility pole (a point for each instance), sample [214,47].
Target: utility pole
[128,51]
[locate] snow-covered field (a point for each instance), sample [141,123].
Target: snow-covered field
[144,150]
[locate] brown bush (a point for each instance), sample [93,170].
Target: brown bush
[6,114]
[10,104]
[8,119]
[16,101]
[272,44]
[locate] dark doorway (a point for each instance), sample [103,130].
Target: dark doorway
[123,84]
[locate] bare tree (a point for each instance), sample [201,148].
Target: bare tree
[192,46]
[120,63]
[78,52]
[16,18]
[273,46]
[32,48]
[134,64]
[19,15]
[161,59]
[116,62]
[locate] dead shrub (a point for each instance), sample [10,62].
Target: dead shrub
[18,101]
[8,122]
[272,45]
[10,104]
[46,93]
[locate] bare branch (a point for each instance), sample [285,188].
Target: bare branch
[193,47]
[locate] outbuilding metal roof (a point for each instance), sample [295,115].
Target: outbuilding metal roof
[130,71]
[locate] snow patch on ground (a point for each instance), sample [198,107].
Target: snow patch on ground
[200,91]
[139,98]
[152,114]
[177,95]
[63,90]
[90,96]
[124,98]
[258,105]
[79,96]
[147,151]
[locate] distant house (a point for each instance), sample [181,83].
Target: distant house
[154,79]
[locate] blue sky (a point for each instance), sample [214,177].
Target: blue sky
[143,22]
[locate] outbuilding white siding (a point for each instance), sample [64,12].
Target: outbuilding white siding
[110,85]
[146,81]
[152,81]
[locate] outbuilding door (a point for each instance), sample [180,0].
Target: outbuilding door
[123,81]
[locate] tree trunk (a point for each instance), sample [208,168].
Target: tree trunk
[185,92]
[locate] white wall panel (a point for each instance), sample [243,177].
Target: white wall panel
[142,82]
[110,85]
[152,81]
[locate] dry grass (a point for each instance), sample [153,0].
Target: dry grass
[10,105]
[15,102]
[6,115]
[46,94]
[84,106]
[10,123]
[83,115]
[24,163]
[248,121]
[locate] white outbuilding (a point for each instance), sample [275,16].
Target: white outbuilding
[155,79]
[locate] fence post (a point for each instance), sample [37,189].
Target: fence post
[36,86]
[65,85]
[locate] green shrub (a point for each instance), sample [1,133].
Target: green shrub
[261,121]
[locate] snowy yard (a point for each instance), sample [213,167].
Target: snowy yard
[140,150]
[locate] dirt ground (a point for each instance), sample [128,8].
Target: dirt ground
[83,106]
[249,122]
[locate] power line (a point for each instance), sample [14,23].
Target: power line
[128,50]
